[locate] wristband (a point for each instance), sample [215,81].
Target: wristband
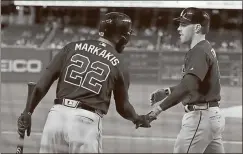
[159,108]
[167,91]
[156,111]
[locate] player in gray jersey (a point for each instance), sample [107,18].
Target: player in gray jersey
[199,89]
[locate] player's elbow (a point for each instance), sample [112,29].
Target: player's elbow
[122,114]
[120,110]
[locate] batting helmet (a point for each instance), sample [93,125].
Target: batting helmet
[116,23]
[194,15]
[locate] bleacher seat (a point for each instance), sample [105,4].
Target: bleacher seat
[146,39]
[28,36]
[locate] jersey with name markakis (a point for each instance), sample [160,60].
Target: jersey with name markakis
[202,62]
[90,71]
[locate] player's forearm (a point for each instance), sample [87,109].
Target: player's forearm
[188,84]
[36,97]
[40,90]
[128,112]
[174,98]
[172,88]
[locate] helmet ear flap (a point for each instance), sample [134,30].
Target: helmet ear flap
[124,39]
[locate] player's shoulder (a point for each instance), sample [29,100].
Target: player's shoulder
[88,41]
[122,67]
[204,50]
[68,47]
[80,42]
[95,42]
[77,45]
[204,45]
[201,48]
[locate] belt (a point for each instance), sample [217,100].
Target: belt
[77,104]
[201,106]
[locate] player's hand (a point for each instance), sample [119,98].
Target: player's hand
[24,124]
[143,121]
[151,116]
[157,96]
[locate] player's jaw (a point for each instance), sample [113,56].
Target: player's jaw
[185,32]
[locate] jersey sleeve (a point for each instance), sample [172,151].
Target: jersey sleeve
[197,64]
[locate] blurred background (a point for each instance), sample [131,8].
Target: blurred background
[32,32]
[49,26]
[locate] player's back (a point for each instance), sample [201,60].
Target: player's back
[89,73]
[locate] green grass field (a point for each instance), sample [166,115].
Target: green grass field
[119,135]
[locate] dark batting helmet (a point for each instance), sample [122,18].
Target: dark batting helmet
[194,15]
[116,23]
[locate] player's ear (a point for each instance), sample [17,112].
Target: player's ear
[197,28]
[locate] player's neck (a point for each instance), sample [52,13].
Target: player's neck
[106,41]
[196,39]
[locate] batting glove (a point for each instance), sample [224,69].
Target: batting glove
[159,95]
[24,124]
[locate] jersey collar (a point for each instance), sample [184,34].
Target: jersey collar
[198,43]
[106,41]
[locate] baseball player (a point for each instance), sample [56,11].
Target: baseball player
[88,72]
[199,89]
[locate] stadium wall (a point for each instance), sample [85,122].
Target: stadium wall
[23,64]
[27,64]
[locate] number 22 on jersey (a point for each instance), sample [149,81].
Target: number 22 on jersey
[81,72]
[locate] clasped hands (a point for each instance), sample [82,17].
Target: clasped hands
[145,120]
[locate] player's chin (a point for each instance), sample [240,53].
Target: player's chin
[183,40]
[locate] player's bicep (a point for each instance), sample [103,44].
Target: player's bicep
[46,80]
[197,65]
[191,82]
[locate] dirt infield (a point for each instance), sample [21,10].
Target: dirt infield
[119,135]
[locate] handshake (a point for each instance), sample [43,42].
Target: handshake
[145,120]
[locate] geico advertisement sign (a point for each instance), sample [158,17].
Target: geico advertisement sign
[21,65]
